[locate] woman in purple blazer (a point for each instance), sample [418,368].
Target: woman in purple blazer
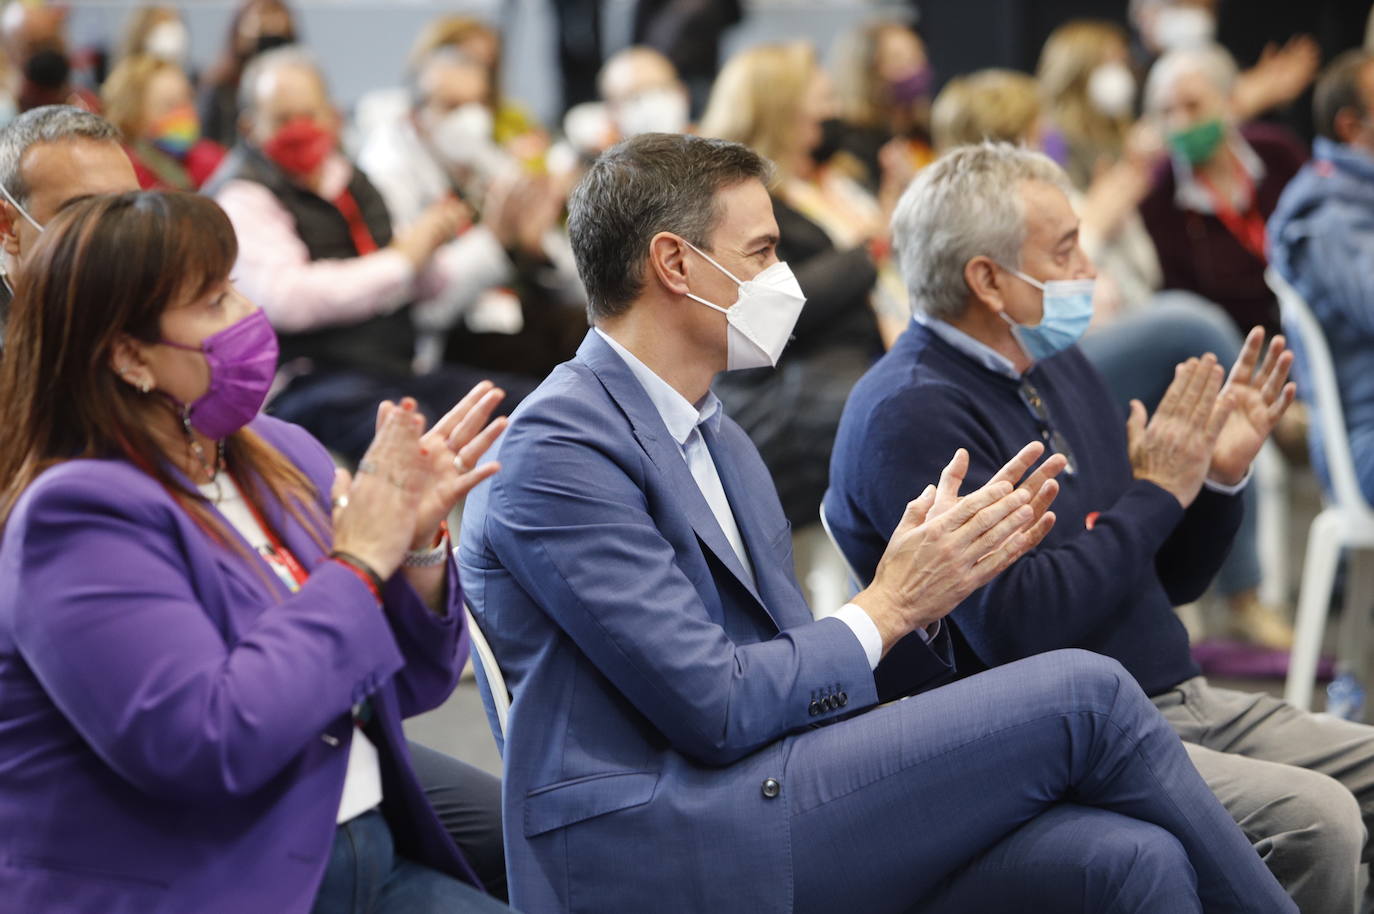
[204,664]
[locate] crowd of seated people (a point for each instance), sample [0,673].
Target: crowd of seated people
[1005,333]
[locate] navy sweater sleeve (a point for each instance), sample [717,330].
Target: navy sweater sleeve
[1057,595]
[1190,558]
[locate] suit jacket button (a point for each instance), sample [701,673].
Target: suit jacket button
[828,703]
[771,788]
[815,707]
[841,699]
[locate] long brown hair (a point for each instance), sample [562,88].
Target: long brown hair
[106,267]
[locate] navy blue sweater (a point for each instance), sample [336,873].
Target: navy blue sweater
[1122,553]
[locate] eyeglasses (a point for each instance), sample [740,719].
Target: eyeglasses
[1056,442]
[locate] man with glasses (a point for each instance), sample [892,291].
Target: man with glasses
[1146,509]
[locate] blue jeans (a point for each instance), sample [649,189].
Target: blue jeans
[364,876]
[1137,355]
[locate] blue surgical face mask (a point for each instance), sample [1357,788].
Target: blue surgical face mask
[1065,315]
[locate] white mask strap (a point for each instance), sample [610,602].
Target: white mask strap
[1019,275]
[738,281]
[698,298]
[15,203]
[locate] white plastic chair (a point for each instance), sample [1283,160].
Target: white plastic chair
[1345,522]
[496,683]
[855,580]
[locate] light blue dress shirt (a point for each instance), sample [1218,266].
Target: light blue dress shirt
[682,419]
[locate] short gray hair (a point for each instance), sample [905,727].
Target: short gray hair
[965,204]
[1212,62]
[268,62]
[48,124]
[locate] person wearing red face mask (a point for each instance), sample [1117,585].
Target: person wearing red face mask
[318,253]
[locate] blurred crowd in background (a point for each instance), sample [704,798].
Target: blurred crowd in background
[417,242]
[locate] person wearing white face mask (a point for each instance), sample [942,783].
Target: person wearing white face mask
[643,93]
[1281,75]
[631,568]
[441,146]
[158,31]
[1145,514]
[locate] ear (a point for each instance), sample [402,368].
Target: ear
[668,262]
[129,362]
[9,237]
[1347,124]
[985,281]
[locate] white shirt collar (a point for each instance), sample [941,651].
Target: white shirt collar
[1189,193]
[980,352]
[677,412]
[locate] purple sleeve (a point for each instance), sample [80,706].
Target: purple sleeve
[110,618]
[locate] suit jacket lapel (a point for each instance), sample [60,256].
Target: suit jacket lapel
[745,505]
[653,436]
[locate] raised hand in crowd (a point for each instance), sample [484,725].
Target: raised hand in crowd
[520,208]
[1173,448]
[439,224]
[1259,393]
[1281,75]
[948,546]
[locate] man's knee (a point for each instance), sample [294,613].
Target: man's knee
[1093,679]
[1315,823]
[1143,868]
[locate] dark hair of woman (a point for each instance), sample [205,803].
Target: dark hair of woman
[105,267]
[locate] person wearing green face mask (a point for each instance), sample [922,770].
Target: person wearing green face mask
[1206,214]
[1198,143]
[1206,211]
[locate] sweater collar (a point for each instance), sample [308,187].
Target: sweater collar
[976,350]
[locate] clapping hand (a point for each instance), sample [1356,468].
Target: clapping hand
[373,510]
[948,545]
[452,449]
[1174,447]
[1259,397]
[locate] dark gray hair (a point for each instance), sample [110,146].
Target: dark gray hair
[1338,89]
[268,62]
[651,183]
[964,205]
[48,124]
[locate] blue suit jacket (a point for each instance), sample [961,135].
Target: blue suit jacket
[172,723]
[653,686]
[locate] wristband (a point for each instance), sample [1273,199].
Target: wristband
[361,569]
[434,555]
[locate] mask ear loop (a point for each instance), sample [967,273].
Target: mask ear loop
[4,276]
[711,260]
[15,203]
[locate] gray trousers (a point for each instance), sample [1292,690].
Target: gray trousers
[1300,785]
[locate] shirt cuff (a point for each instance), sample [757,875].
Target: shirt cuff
[861,624]
[1223,489]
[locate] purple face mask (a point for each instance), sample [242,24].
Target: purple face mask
[915,85]
[242,359]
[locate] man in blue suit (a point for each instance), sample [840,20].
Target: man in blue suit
[683,735]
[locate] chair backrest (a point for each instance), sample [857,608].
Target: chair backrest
[1308,341]
[487,669]
[858,582]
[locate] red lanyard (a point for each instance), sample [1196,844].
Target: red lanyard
[282,554]
[1247,227]
[357,225]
